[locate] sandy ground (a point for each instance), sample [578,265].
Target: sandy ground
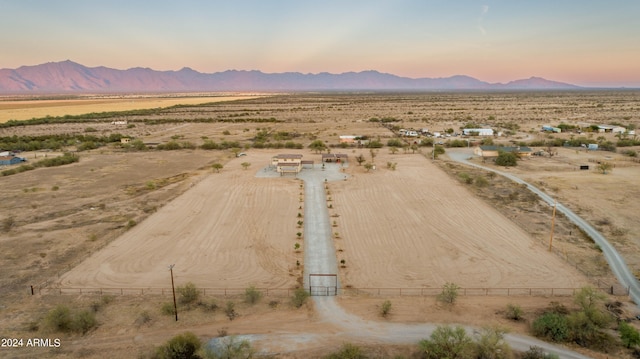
[417,229]
[27,109]
[231,230]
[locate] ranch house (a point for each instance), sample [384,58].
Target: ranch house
[287,163]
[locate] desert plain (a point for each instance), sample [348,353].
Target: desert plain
[112,222]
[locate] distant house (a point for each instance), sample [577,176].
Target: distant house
[348,138]
[477,131]
[287,163]
[494,151]
[10,160]
[353,139]
[611,129]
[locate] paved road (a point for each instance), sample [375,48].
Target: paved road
[613,258]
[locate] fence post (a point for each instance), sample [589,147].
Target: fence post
[31,290]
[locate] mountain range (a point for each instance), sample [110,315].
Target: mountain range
[71,77]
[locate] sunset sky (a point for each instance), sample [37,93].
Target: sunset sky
[584,42]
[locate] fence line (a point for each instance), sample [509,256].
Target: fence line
[288,292]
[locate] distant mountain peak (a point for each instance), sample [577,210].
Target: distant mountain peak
[69,76]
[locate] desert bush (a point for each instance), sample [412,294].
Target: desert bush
[143,318]
[507,159]
[188,293]
[395,142]
[229,348]
[438,150]
[63,319]
[182,346]
[449,293]
[252,295]
[230,310]
[167,308]
[385,308]
[447,342]
[348,351]
[551,326]
[514,312]
[629,335]
[300,296]
[208,306]
[535,352]
[58,319]
[491,345]
[481,181]
[464,177]
[83,321]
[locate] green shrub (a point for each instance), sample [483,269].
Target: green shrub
[59,319]
[230,310]
[188,293]
[168,309]
[210,306]
[348,351]
[447,342]
[535,352]
[481,181]
[300,297]
[449,293]
[514,312]
[229,347]
[507,159]
[552,326]
[464,177]
[63,319]
[182,346]
[629,335]
[84,321]
[252,295]
[385,308]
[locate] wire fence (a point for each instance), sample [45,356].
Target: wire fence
[615,290]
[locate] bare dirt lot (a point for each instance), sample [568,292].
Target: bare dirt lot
[117,218]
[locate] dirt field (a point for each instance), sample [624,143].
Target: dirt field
[11,109]
[118,219]
[415,227]
[217,234]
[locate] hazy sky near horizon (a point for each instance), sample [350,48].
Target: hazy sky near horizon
[584,42]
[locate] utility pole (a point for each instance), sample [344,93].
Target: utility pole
[553,221]
[173,288]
